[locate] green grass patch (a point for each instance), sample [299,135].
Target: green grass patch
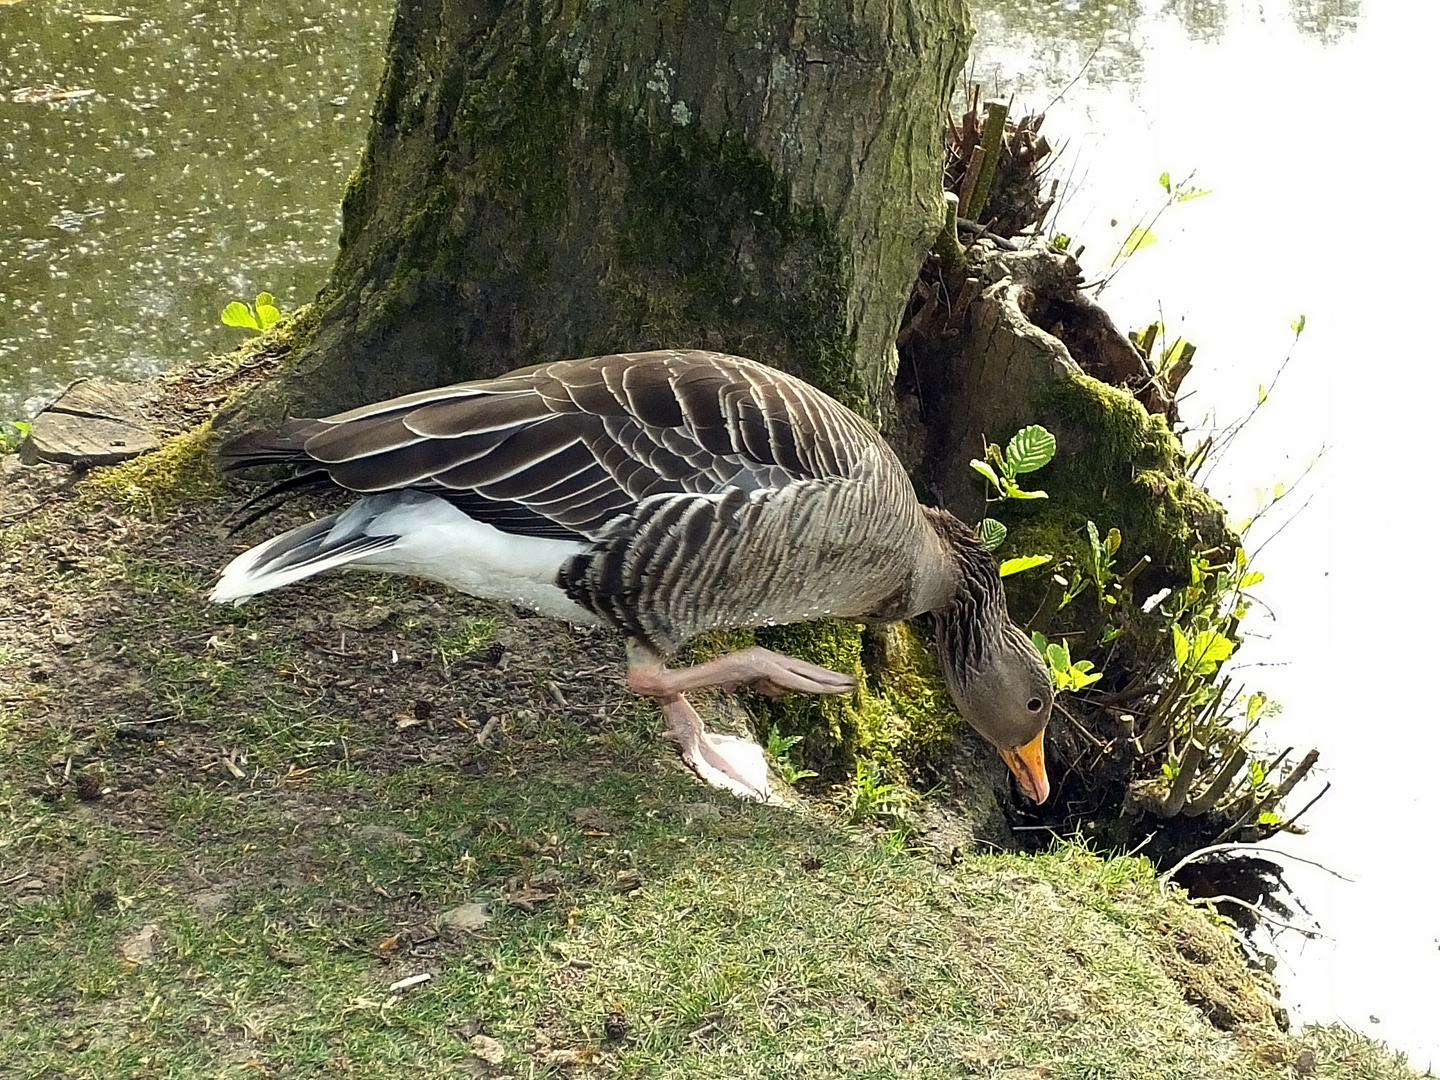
[473,636]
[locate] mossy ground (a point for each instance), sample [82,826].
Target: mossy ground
[900,715]
[181,470]
[227,834]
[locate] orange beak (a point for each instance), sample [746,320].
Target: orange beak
[1028,765]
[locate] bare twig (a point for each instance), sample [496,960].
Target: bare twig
[1079,726]
[991,136]
[488,730]
[1093,53]
[1216,849]
[1296,774]
[1296,817]
[1258,912]
[1189,766]
[972,175]
[1220,785]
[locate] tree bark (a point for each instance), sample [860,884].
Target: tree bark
[548,179]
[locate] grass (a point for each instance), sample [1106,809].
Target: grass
[755,942]
[227,835]
[473,635]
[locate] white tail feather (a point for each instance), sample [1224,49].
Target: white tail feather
[410,532]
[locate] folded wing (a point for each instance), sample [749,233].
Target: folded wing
[562,449]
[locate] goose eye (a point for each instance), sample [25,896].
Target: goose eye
[1034,704]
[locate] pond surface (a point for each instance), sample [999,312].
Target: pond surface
[1303,117]
[159,159]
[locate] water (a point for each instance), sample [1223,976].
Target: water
[1302,117]
[205,164]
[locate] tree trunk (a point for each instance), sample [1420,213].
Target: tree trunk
[546,180]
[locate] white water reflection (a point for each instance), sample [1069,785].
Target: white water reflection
[1302,118]
[205,163]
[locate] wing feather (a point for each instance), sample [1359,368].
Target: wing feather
[564,449]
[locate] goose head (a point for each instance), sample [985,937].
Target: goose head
[997,678]
[1002,687]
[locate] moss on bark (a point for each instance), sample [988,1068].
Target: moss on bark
[1120,467]
[901,713]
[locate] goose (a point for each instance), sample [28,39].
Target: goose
[663,494]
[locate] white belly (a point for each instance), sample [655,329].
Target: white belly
[420,535]
[441,543]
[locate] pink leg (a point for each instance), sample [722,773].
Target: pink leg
[723,761]
[768,672]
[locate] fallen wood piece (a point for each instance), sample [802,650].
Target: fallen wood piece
[95,423]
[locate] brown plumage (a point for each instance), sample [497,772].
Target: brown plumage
[664,493]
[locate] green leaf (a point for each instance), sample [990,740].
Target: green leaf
[1140,237]
[1253,704]
[1097,553]
[1145,339]
[1174,353]
[1014,492]
[1268,817]
[265,299]
[1112,541]
[777,745]
[1252,578]
[1060,242]
[1209,650]
[1165,181]
[238,314]
[1030,449]
[1182,645]
[1081,676]
[268,315]
[12,434]
[1057,653]
[1024,562]
[992,533]
[1263,396]
[986,471]
[1298,326]
[1193,193]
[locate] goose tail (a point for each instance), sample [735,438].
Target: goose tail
[327,544]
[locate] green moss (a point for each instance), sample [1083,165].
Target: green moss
[697,241]
[900,713]
[357,190]
[1120,467]
[714,644]
[261,401]
[180,471]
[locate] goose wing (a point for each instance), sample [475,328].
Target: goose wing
[559,450]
